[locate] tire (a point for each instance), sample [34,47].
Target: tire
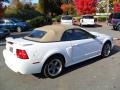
[81,25]
[19,29]
[118,28]
[106,50]
[53,67]
[114,27]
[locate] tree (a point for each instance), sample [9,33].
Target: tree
[85,6]
[41,6]
[16,4]
[2,8]
[67,8]
[116,7]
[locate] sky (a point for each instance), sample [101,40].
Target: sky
[34,1]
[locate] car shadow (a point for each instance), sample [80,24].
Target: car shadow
[89,26]
[80,65]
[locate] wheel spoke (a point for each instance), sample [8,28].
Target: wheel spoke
[106,50]
[54,67]
[56,63]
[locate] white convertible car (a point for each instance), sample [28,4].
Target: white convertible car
[48,49]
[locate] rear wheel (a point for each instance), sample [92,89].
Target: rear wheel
[53,67]
[106,50]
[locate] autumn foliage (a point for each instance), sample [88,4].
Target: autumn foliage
[85,6]
[65,7]
[116,7]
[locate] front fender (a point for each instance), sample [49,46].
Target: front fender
[108,39]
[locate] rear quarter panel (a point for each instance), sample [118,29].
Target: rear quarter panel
[42,51]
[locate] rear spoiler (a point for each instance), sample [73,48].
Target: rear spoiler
[12,40]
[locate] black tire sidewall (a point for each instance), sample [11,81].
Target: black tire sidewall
[45,67]
[102,53]
[118,28]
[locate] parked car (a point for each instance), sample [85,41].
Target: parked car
[4,33]
[87,20]
[67,19]
[115,20]
[48,49]
[14,24]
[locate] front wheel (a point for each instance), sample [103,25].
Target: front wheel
[114,27]
[19,29]
[118,27]
[53,67]
[106,50]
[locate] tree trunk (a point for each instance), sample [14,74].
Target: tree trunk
[41,6]
[2,9]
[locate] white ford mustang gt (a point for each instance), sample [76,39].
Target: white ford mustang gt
[47,50]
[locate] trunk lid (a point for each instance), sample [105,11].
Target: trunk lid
[17,43]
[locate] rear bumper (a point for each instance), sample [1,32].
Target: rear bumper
[88,23]
[67,23]
[21,66]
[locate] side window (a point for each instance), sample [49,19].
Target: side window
[9,22]
[67,36]
[79,34]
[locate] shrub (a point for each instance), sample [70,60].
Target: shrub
[23,14]
[101,19]
[39,21]
[56,18]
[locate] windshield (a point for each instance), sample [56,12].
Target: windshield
[37,34]
[116,15]
[67,17]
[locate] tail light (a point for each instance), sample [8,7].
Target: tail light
[21,54]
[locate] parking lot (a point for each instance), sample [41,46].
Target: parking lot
[94,74]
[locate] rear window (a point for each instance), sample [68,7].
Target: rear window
[88,17]
[116,15]
[67,18]
[37,34]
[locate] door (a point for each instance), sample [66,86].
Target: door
[10,24]
[2,24]
[84,45]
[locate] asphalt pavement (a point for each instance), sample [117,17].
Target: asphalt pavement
[94,74]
